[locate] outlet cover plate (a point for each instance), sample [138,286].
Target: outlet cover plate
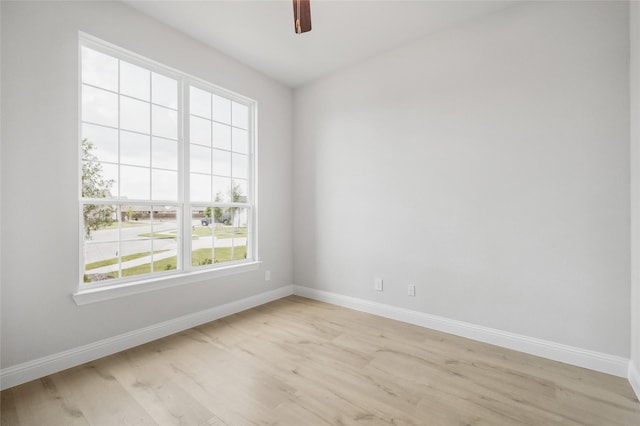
[377,284]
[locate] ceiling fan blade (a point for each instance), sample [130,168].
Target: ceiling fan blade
[301,16]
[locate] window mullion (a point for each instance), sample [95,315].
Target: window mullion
[119,245]
[151,197]
[151,266]
[119,206]
[184,160]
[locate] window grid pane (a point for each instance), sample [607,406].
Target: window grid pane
[131,123]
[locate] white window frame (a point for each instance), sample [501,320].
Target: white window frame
[119,287]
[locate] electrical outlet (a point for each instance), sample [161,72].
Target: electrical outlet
[411,290]
[267,275]
[377,284]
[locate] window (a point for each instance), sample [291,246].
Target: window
[167,166]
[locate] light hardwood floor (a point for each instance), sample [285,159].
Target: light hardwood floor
[301,362]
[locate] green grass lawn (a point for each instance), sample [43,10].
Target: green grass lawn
[222,254]
[163,236]
[221,232]
[202,230]
[114,260]
[200,256]
[130,224]
[159,265]
[158,235]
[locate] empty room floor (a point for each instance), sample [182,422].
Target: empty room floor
[297,361]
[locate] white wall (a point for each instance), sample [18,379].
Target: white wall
[39,176]
[489,165]
[634,371]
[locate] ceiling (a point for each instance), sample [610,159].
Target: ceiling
[261,33]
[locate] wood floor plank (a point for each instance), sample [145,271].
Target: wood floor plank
[101,398]
[41,400]
[8,412]
[297,361]
[166,402]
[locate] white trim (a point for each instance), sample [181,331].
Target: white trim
[99,294]
[593,360]
[634,378]
[102,46]
[21,373]
[611,364]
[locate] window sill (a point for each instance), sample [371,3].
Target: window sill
[86,296]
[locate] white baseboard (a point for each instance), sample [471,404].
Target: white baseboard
[31,370]
[593,360]
[34,369]
[634,378]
